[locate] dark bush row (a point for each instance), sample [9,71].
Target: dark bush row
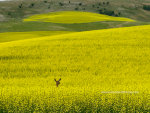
[146,7]
[109,12]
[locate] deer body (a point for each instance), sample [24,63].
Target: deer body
[57,82]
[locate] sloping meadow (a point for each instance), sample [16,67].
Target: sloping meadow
[70,17]
[101,71]
[14,36]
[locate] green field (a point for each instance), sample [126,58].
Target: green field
[76,22]
[101,70]
[18,26]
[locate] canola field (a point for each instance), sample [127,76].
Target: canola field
[70,17]
[101,71]
[13,36]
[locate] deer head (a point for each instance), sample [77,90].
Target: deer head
[57,82]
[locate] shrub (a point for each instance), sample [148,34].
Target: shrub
[45,1]
[107,3]
[107,12]
[9,13]
[20,6]
[119,13]
[31,5]
[146,7]
[76,8]
[80,4]
[61,4]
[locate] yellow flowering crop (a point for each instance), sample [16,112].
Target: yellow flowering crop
[101,71]
[69,17]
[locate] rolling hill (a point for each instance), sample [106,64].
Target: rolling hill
[67,21]
[89,63]
[13,36]
[71,17]
[19,9]
[103,61]
[75,46]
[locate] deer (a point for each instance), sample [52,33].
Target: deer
[57,82]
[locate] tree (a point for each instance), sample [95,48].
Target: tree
[9,13]
[45,1]
[107,12]
[61,4]
[20,6]
[80,4]
[146,7]
[31,5]
[76,8]
[107,3]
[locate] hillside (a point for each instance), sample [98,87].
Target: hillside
[67,21]
[132,8]
[13,36]
[12,14]
[71,56]
[70,17]
[90,64]
[122,44]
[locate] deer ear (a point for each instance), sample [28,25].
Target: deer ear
[59,79]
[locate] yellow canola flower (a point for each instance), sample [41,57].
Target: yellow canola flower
[70,17]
